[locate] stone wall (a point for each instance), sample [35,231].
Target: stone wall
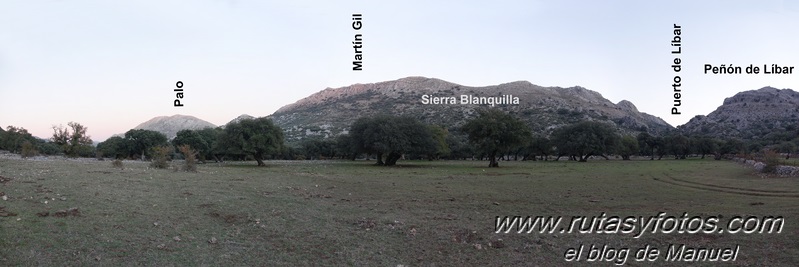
[781,170]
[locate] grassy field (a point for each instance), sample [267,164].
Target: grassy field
[439,213]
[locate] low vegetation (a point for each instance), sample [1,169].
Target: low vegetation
[85,212]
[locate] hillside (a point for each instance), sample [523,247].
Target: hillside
[170,125]
[749,115]
[330,111]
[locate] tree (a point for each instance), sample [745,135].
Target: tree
[73,139]
[114,147]
[211,137]
[647,144]
[585,139]
[494,131]
[539,146]
[194,140]
[678,145]
[140,140]
[732,146]
[316,148]
[628,147]
[255,137]
[787,148]
[347,146]
[13,138]
[390,136]
[440,135]
[703,145]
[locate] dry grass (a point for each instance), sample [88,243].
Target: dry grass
[352,213]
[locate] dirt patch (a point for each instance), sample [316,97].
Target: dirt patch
[4,179]
[228,218]
[41,189]
[465,236]
[68,212]
[4,213]
[365,223]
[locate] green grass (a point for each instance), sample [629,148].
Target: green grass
[353,213]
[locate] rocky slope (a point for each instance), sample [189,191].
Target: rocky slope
[330,111]
[170,125]
[749,115]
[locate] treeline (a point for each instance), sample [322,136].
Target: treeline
[492,135]
[257,139]
[71,141]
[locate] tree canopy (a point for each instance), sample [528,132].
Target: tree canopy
[585,139]
[255,137]
[139,140]
[391,136]
[494,131]
[73,140]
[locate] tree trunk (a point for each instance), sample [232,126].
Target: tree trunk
[260,161]
[380,159]
[493,163]
[392,158]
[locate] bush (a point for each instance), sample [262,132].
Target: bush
[117,164]
[772,160]
[160,157]
[190,157]
[28,150]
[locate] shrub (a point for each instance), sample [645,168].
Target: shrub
[160,157]
[117,164]
[99,155]
[772,160]
[190,156]
[28,150]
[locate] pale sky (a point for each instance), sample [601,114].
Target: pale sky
[111,65]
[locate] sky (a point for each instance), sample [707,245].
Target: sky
[111,65]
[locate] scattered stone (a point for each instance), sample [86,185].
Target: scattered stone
[161,246]
[496,203]
[5,197]
[212,240]
[478,246]
[43,214]
[176,238]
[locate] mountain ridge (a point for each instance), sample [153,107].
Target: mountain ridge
[542,107]
[751,114]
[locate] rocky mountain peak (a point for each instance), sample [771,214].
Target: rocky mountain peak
[750,115]
[170,125]
[627,105]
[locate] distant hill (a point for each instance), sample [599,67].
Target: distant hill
[170,125]
[331,111]
[751,115]
[239,118]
